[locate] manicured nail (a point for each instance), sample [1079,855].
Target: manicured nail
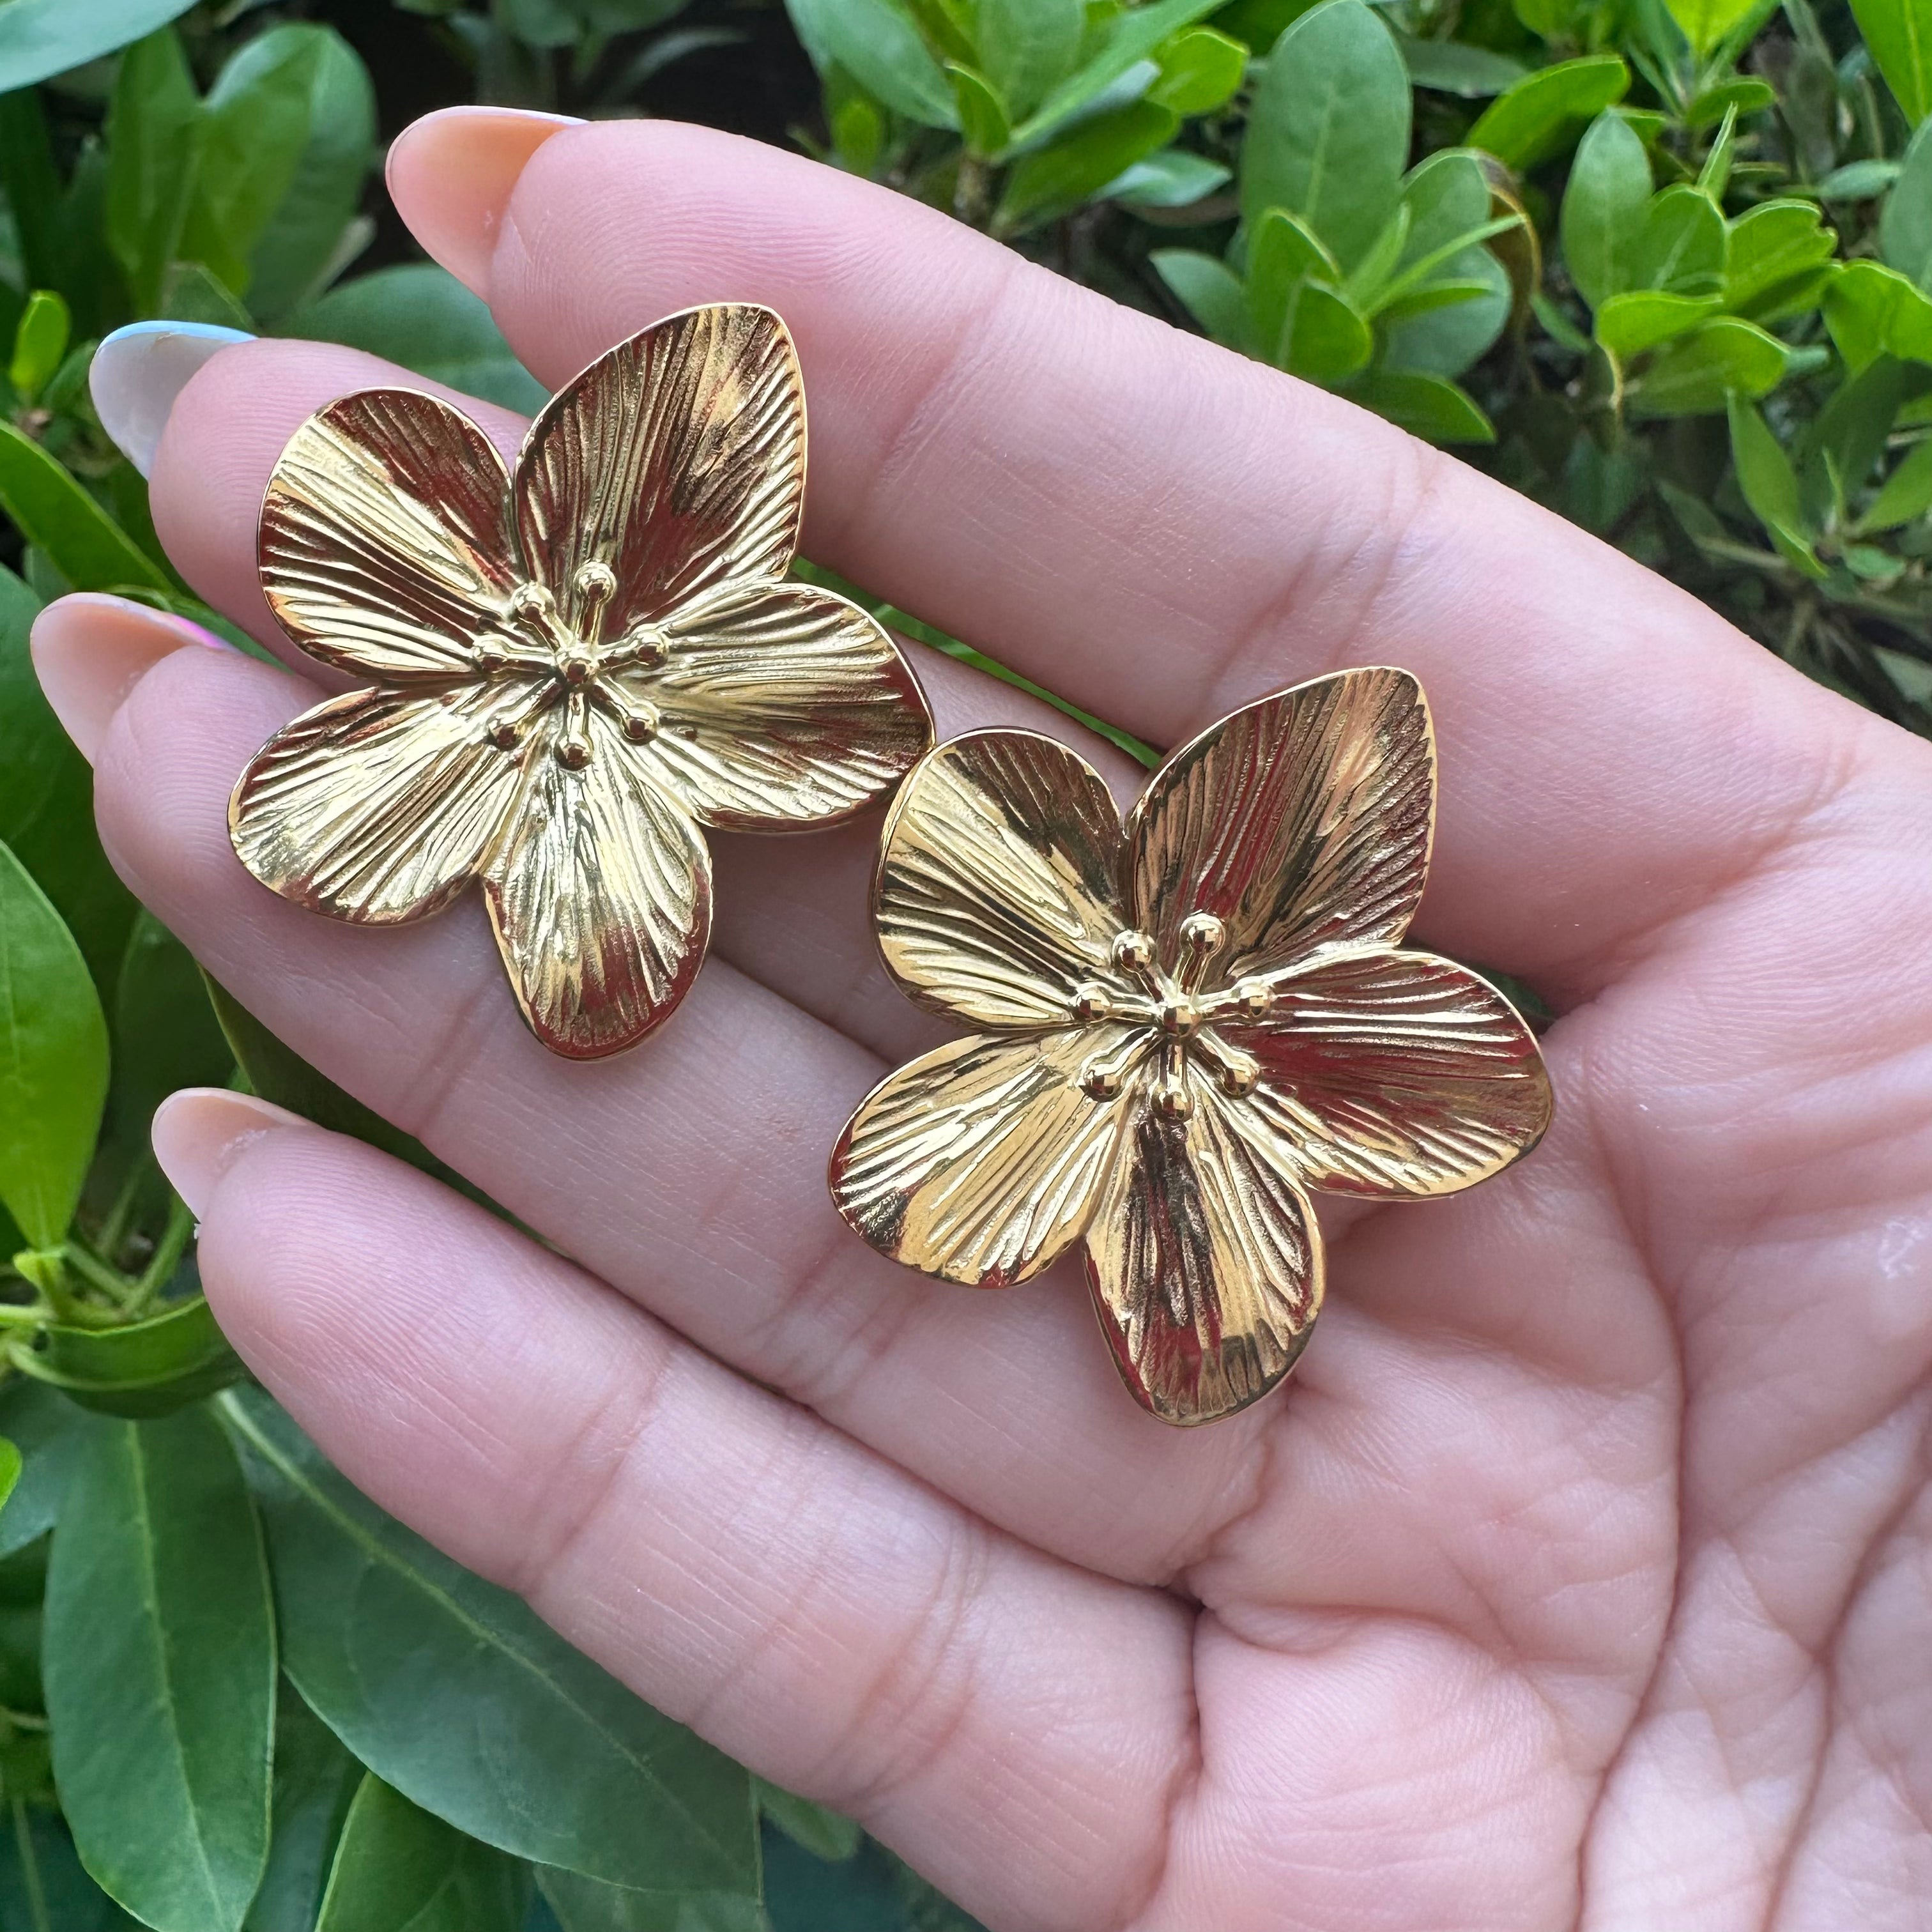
[90,651]
[450,174]
[200,1133]
[138,371]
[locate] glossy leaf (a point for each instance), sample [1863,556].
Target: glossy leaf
[1776,260]
[397,1868]
[1899,34]
[1904,497]
[1872,311]
[881,49]
[422,317]
[53,1060]
[47,1429]
[1539,114]
[1707,22]
[1603,208]
[9,1468]
[983,116]
[454,1691]
[1027,47]
[1640,319]
[1200,70]
[1454,67]
[154,132]
[825,1833]
[146,1368]
[59,1895]
[57,515]
[1328,130]
[40,342]
[1905,222]
[1696,374]
[1437,411]
[39,38]
[315,1781]
[1769,483]
[160,1666]
[1171,179]
[47,801]
[585,1905]
[1130,40]
[1323,339]
[1680,245]
[1447,198]
[1055,179]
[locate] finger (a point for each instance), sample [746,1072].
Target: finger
[792,912]
[1161,530]
[690,1175]
[1006,1721]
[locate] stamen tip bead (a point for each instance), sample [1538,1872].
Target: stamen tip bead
[1133,952]
[1202,932]
[1254,997]
[1091,1002]
[1100,1083]
[595,581]
[1173,1100]
[573,754]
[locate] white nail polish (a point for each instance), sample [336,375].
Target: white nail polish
[137,373]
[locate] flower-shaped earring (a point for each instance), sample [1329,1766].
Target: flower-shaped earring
[1183,1026]
[575,667]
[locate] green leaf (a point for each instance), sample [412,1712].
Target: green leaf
[153,129]
[1210,292]
[1536,118]
[982,118]
[585,1905]
[9,1468]
[1744,96]
[1847,436]
[1171,179]
[1715,176]
[399,1869]
[1904,497]
[1283,253]
[1905,220]
[1200,70]
[40,344]
[1028,47]
[1454,67]
[824,1833]
[1131,40]
[47,801]
[1640,319]
[40,38]
[1328,131]
[1696,374]
[56,515]
[291,133]
[315,1781]
[1429,406]
[421,317]
[1323,339]
[1899,35]
[1448,199]
[1858,181]
[1680,245]
[1769,484]
[880,47]
[53,1893]
[1774,260]
[455,1692]
[1603,209]
[47,1429]
[143,1368]
[53,1060]
[1056,179]
[1706,22]
[160,1666]
[1873,311]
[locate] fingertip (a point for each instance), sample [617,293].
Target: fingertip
[451,174]
[137,374]
[201,1132]
[90,650]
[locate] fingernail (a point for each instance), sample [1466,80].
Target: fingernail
[138,371]
[90,650]
[200,1133]
[450,175]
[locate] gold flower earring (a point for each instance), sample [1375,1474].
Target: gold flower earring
[575,666]
[1182,1026]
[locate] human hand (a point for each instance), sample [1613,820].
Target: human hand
[1579,1576]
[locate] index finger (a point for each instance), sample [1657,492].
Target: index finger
[1161,530]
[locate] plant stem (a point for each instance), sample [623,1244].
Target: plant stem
[30,1869]
[168,1251]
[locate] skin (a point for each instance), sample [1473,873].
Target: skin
[1579,1576]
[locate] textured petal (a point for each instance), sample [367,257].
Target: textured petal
[377,806]
[996,895]
[980,1161]
[678,459]
[1203,1260]
[1301,820]
[385,537]
[782,706]
[1396,1073]
[601,895]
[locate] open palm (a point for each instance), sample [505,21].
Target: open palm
[1579,1577]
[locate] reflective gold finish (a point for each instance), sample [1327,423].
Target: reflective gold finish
[1182,1026]
[575,666]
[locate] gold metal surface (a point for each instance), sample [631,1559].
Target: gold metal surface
[1181,1026]
[575,665]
